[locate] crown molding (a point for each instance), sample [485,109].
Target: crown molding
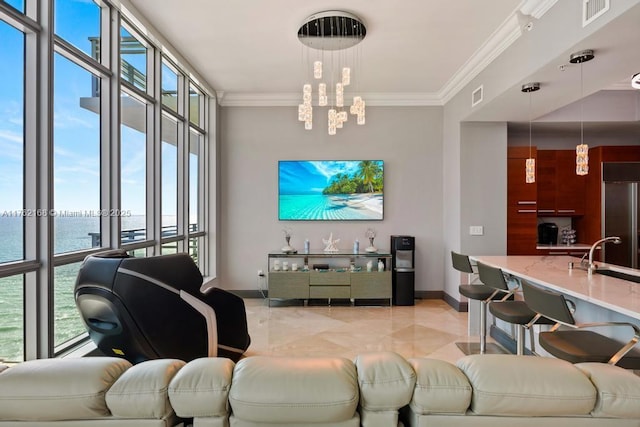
[400,99]
[505,35]
[536,8]
[500,40]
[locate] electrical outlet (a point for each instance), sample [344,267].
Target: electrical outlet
[476,230]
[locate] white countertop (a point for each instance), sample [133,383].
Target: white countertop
[572,247]
[552,272]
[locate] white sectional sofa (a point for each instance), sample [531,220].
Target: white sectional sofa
[92,391]
[374,390]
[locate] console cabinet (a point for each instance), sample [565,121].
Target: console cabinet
[339,281]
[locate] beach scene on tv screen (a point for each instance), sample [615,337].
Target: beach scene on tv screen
[330,190]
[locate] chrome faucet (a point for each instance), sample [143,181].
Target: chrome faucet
[590,266]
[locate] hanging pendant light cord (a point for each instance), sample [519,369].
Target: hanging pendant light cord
[581,106]
[529,124]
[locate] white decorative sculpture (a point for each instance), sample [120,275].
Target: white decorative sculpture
[331,244]
[287,237]
[371,234]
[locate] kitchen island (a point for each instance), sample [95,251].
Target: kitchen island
[598,298]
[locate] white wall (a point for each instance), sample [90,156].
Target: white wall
[253,139]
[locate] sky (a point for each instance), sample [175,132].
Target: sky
[76,129]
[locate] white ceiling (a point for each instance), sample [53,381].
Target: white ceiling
[416,52]
[414,49]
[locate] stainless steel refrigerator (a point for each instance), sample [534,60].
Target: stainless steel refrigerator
[621,212]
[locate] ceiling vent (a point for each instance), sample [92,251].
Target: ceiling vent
[476,97]
[592,9]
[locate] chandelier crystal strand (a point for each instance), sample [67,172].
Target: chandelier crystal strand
[339,95]
[346,76]
[307,108]
[360,120]
[322,95]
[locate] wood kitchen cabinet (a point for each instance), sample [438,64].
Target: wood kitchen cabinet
[560,191]
[521,204]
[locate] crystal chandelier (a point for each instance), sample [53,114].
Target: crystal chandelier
[582,149]
[329,38]
[530,165]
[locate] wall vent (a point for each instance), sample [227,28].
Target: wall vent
[476,96]
[592,9]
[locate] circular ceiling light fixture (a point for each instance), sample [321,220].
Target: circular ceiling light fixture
[635,81]
[332,30]
[582,56]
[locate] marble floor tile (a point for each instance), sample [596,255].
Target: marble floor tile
[430,328]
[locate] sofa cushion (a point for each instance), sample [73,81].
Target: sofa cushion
[386,381]
[618,390]
[141,392]
[527,386]
[441,388]
[201,388]
[58,389]
[294,390]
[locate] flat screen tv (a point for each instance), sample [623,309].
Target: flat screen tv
[325,190]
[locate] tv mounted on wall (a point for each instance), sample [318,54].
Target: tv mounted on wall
[321,190]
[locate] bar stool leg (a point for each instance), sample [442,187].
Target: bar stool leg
[533,339]
[520,340]
[483,327]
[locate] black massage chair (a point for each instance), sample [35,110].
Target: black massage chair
[151,308]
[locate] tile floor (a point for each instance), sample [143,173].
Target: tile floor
[429,329]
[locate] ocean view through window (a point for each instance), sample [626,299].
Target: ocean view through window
[81,172]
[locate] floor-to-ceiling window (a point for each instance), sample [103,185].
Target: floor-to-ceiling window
[12,179]
[102,145]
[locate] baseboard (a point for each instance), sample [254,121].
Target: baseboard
[460,306]
[429,294]
[249,293]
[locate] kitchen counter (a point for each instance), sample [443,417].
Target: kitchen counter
[616,295]
[572,247]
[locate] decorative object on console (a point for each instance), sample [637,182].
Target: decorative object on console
[371,234]
[582,150]
[331,31]
[288,249]
[369,266]
[331,244]
[380,265]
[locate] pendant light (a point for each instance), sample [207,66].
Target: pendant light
[582,150]
[530,166]
[335,33]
